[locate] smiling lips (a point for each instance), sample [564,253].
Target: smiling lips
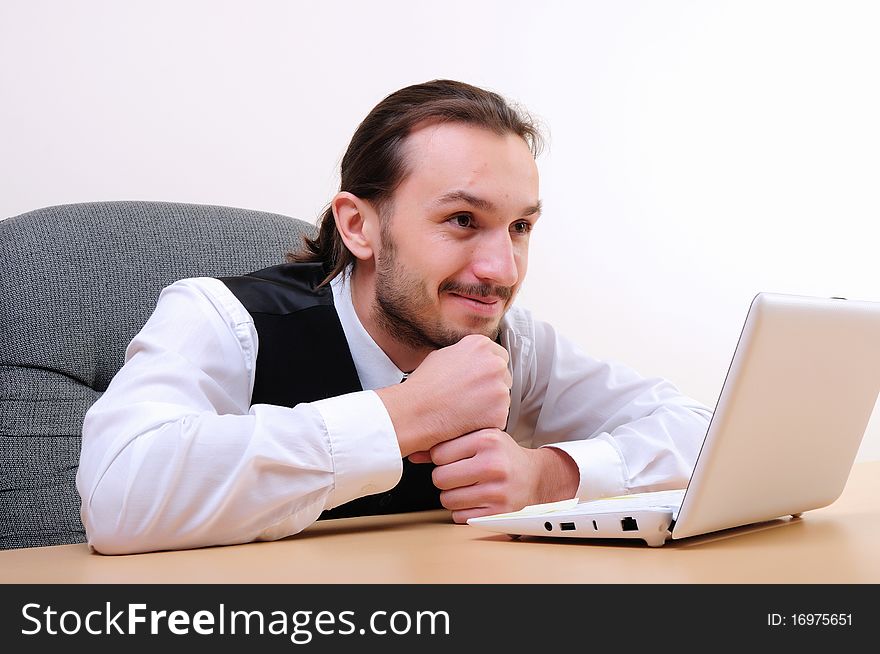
[479,304]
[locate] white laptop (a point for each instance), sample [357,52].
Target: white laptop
[797,398]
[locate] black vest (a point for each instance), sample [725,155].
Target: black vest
[303,357]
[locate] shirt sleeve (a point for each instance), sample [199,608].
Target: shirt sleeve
[625,432]
[173,455]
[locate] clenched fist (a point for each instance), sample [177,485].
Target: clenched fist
[456,390]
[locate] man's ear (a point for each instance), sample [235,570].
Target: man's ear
[358,224]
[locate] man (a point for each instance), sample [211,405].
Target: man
[250,407]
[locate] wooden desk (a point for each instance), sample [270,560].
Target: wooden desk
[837,544]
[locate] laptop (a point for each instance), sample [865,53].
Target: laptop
[787,426]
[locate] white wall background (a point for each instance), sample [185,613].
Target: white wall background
[700,151]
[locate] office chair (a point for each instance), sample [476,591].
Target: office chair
[77,282]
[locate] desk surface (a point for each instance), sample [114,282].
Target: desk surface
[836,544]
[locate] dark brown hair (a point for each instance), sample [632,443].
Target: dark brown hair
[373,165]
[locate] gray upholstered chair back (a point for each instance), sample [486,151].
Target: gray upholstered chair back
[76,284]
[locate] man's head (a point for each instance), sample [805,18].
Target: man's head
[438,194]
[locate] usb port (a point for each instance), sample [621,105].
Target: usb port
[566,526]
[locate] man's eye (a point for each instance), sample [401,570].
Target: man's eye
[462,220]
[522,227]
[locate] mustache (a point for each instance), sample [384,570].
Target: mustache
[478,290]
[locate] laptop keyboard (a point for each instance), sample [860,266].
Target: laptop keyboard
[664,500]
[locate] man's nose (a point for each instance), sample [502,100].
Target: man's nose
[495,259]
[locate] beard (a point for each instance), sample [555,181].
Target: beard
[403,306]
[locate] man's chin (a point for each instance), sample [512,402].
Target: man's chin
[489,329]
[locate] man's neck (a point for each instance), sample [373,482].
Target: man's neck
[363,294]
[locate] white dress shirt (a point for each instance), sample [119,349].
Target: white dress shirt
[174,456]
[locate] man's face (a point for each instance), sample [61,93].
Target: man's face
[455,245]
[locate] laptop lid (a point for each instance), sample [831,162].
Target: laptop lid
[794,407]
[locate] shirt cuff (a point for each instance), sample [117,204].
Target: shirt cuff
[366,455]
[600,466]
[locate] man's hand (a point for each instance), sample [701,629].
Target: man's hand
[456,390]
[487,472]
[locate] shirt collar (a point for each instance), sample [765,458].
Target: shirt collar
[374,368]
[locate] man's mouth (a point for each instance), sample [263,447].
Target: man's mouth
[479,303]
[478,298]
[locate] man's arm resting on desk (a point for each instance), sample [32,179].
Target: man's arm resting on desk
[173,457]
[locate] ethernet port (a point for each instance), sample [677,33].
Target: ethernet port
[629,524]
